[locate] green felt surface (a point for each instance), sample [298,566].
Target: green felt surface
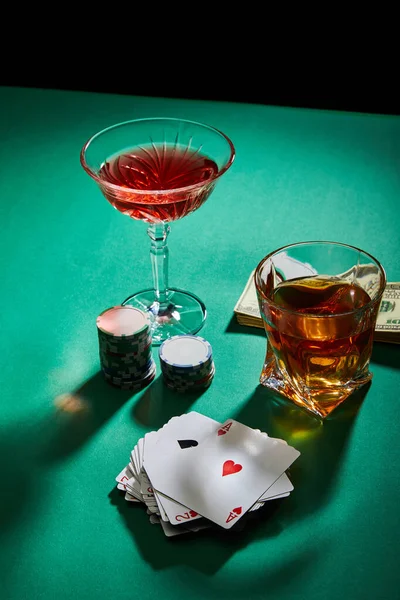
[66,255]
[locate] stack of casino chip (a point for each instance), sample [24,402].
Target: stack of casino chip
[186,363]
[125,347]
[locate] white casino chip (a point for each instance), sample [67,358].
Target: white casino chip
[121,321]
[185,351]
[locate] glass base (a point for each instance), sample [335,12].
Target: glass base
[319,401]
[182,314]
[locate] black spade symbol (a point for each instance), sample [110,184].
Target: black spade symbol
[187,443]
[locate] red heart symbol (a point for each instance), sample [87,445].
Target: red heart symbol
[221,432]
[192,513]
[238,510]
[230,468]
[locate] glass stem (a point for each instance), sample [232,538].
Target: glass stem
[158,234]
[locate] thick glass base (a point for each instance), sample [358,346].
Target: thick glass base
[320,401]
[183,313]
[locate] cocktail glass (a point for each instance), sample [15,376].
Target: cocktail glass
[159,170]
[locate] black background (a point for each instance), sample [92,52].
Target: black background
[364,79]
[366,98]
[366,95]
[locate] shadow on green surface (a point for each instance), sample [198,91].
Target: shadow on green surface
[158,404]
[78,415]
[322,443]
[386,354]
[26,448]
[208,550]
[20,484]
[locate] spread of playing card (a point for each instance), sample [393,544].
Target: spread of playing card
[195,472]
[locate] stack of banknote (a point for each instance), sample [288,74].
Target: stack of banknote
[387,327]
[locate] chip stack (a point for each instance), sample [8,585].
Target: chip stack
[125,347]
[186,363]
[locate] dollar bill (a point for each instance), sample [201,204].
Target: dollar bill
[388,322]
[387,326]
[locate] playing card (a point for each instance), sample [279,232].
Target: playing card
[136,461]
[131,498]
[173,530]
[160,505]
[139,450]
[198,525]
[282,486]
[145,486]
[132,486]
[154,519]
[224,474]
[258,505]
[195,425]
[132,464]
[174,512]
[280,489]
[123,477]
